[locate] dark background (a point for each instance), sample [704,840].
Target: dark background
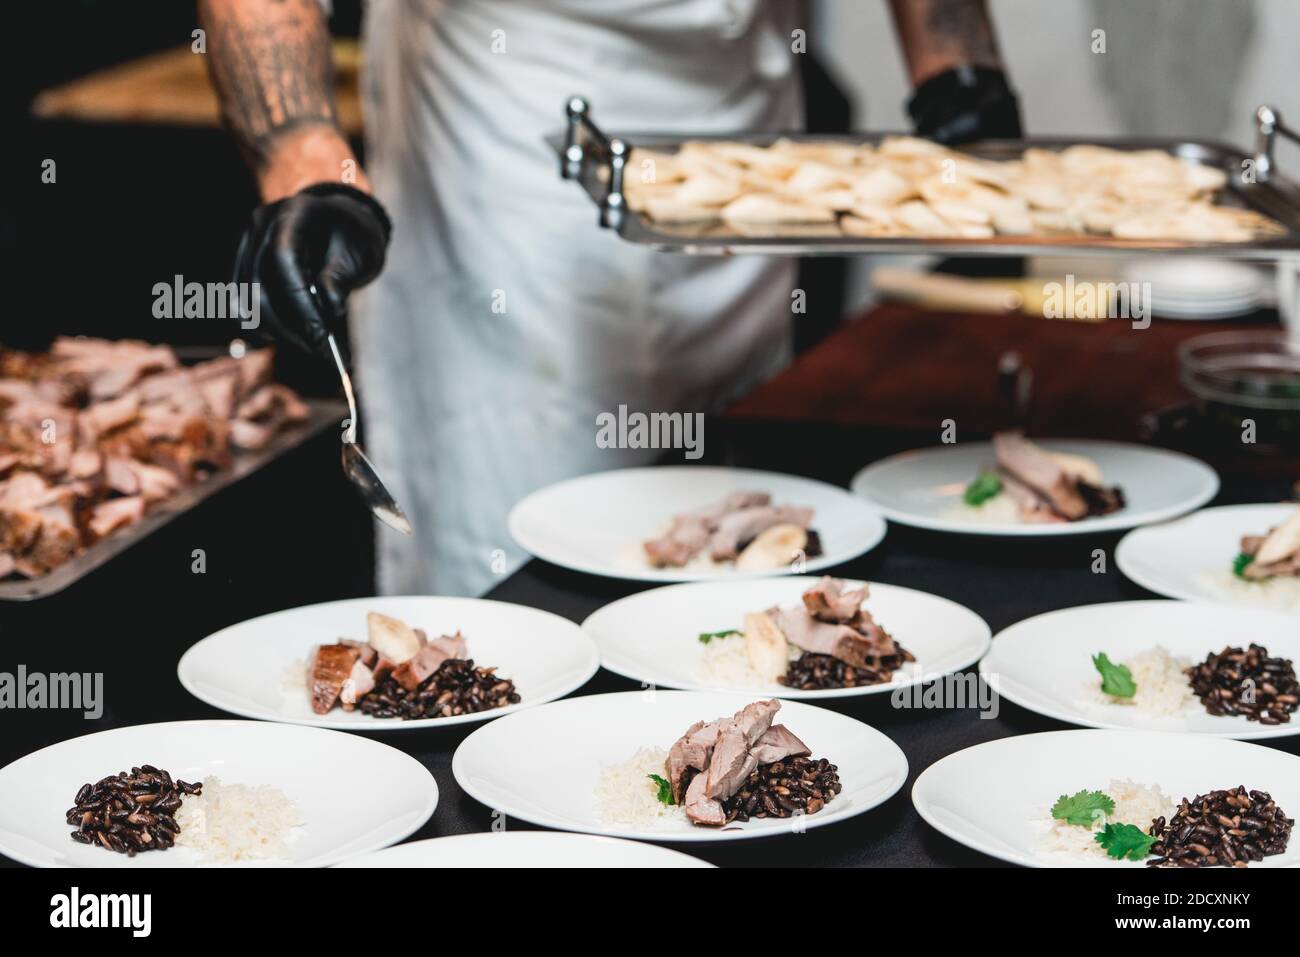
[133,205]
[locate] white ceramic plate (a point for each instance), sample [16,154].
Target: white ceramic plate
[597,523]
[1192,310]
[1044,663]
[543,766]
[256,668]
[996,796]
[653,636]
[1191,558]
[924,488]
[548,849]
[1199,288]
[354,795]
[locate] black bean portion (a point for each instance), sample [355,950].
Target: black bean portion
[813,672]
[1221,829]
[1247,682]
[457,687]
[130,812]
[784,788]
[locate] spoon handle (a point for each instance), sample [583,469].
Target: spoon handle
[351,434]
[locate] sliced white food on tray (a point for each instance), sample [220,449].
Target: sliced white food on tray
[1117,799]
[545,849]
[391,663]
[685,523]
[781,637]
[1239,554]
[1045,487]
[210,793]
[1081,188]
[1195,667]
[679,766]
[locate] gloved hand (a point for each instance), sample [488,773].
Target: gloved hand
[330,236]
[965,104]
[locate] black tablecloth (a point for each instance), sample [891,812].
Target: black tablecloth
[142,615]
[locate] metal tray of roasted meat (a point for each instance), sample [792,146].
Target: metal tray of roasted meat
[596,161]
[324,414]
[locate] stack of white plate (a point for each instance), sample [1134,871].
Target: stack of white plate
[1200,289]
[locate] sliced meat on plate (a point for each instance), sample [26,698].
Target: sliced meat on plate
[330,667]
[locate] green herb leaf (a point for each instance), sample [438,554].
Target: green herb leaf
[987,485]
[665,794]
[1240,563]
[1116,679]
[708,636]
[1125,840]
[1082,808]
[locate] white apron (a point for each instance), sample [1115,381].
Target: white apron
[506,319]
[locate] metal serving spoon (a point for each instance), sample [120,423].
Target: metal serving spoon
[358,468]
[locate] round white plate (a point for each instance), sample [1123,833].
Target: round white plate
[255,668]
[543,766]
[924,488]
[354,795]
[1199,288]
[1191,311]
[653,636]
[1191,557]
[597,523]
[996,797]
[546,849]
[1044,663]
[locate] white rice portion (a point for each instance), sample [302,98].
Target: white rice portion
[625,793]
[1281,592]
[724,663]
[231,823]
[1135,804]
[293,680]
[1162,686]
[1001,509]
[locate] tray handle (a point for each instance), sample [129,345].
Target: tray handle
[586,143]
[1268,124]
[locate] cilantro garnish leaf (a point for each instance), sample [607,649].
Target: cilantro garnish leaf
[665,794]
[987,485]
[1082,807]
[1116,679]
[708,636]
[1125,840]
[1240,563]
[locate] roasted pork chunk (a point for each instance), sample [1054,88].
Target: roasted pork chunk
[710,766]
[93,433]
[727,529]
[1051,486]
[1274,555]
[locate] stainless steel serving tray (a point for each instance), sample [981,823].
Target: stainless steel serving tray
[325,413]
[596,161]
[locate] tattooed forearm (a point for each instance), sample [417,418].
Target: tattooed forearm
[939,34]
[270,63]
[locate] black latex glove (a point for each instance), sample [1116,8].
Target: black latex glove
[330,236]
[965,104]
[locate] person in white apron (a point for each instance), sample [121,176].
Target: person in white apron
[504,320]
